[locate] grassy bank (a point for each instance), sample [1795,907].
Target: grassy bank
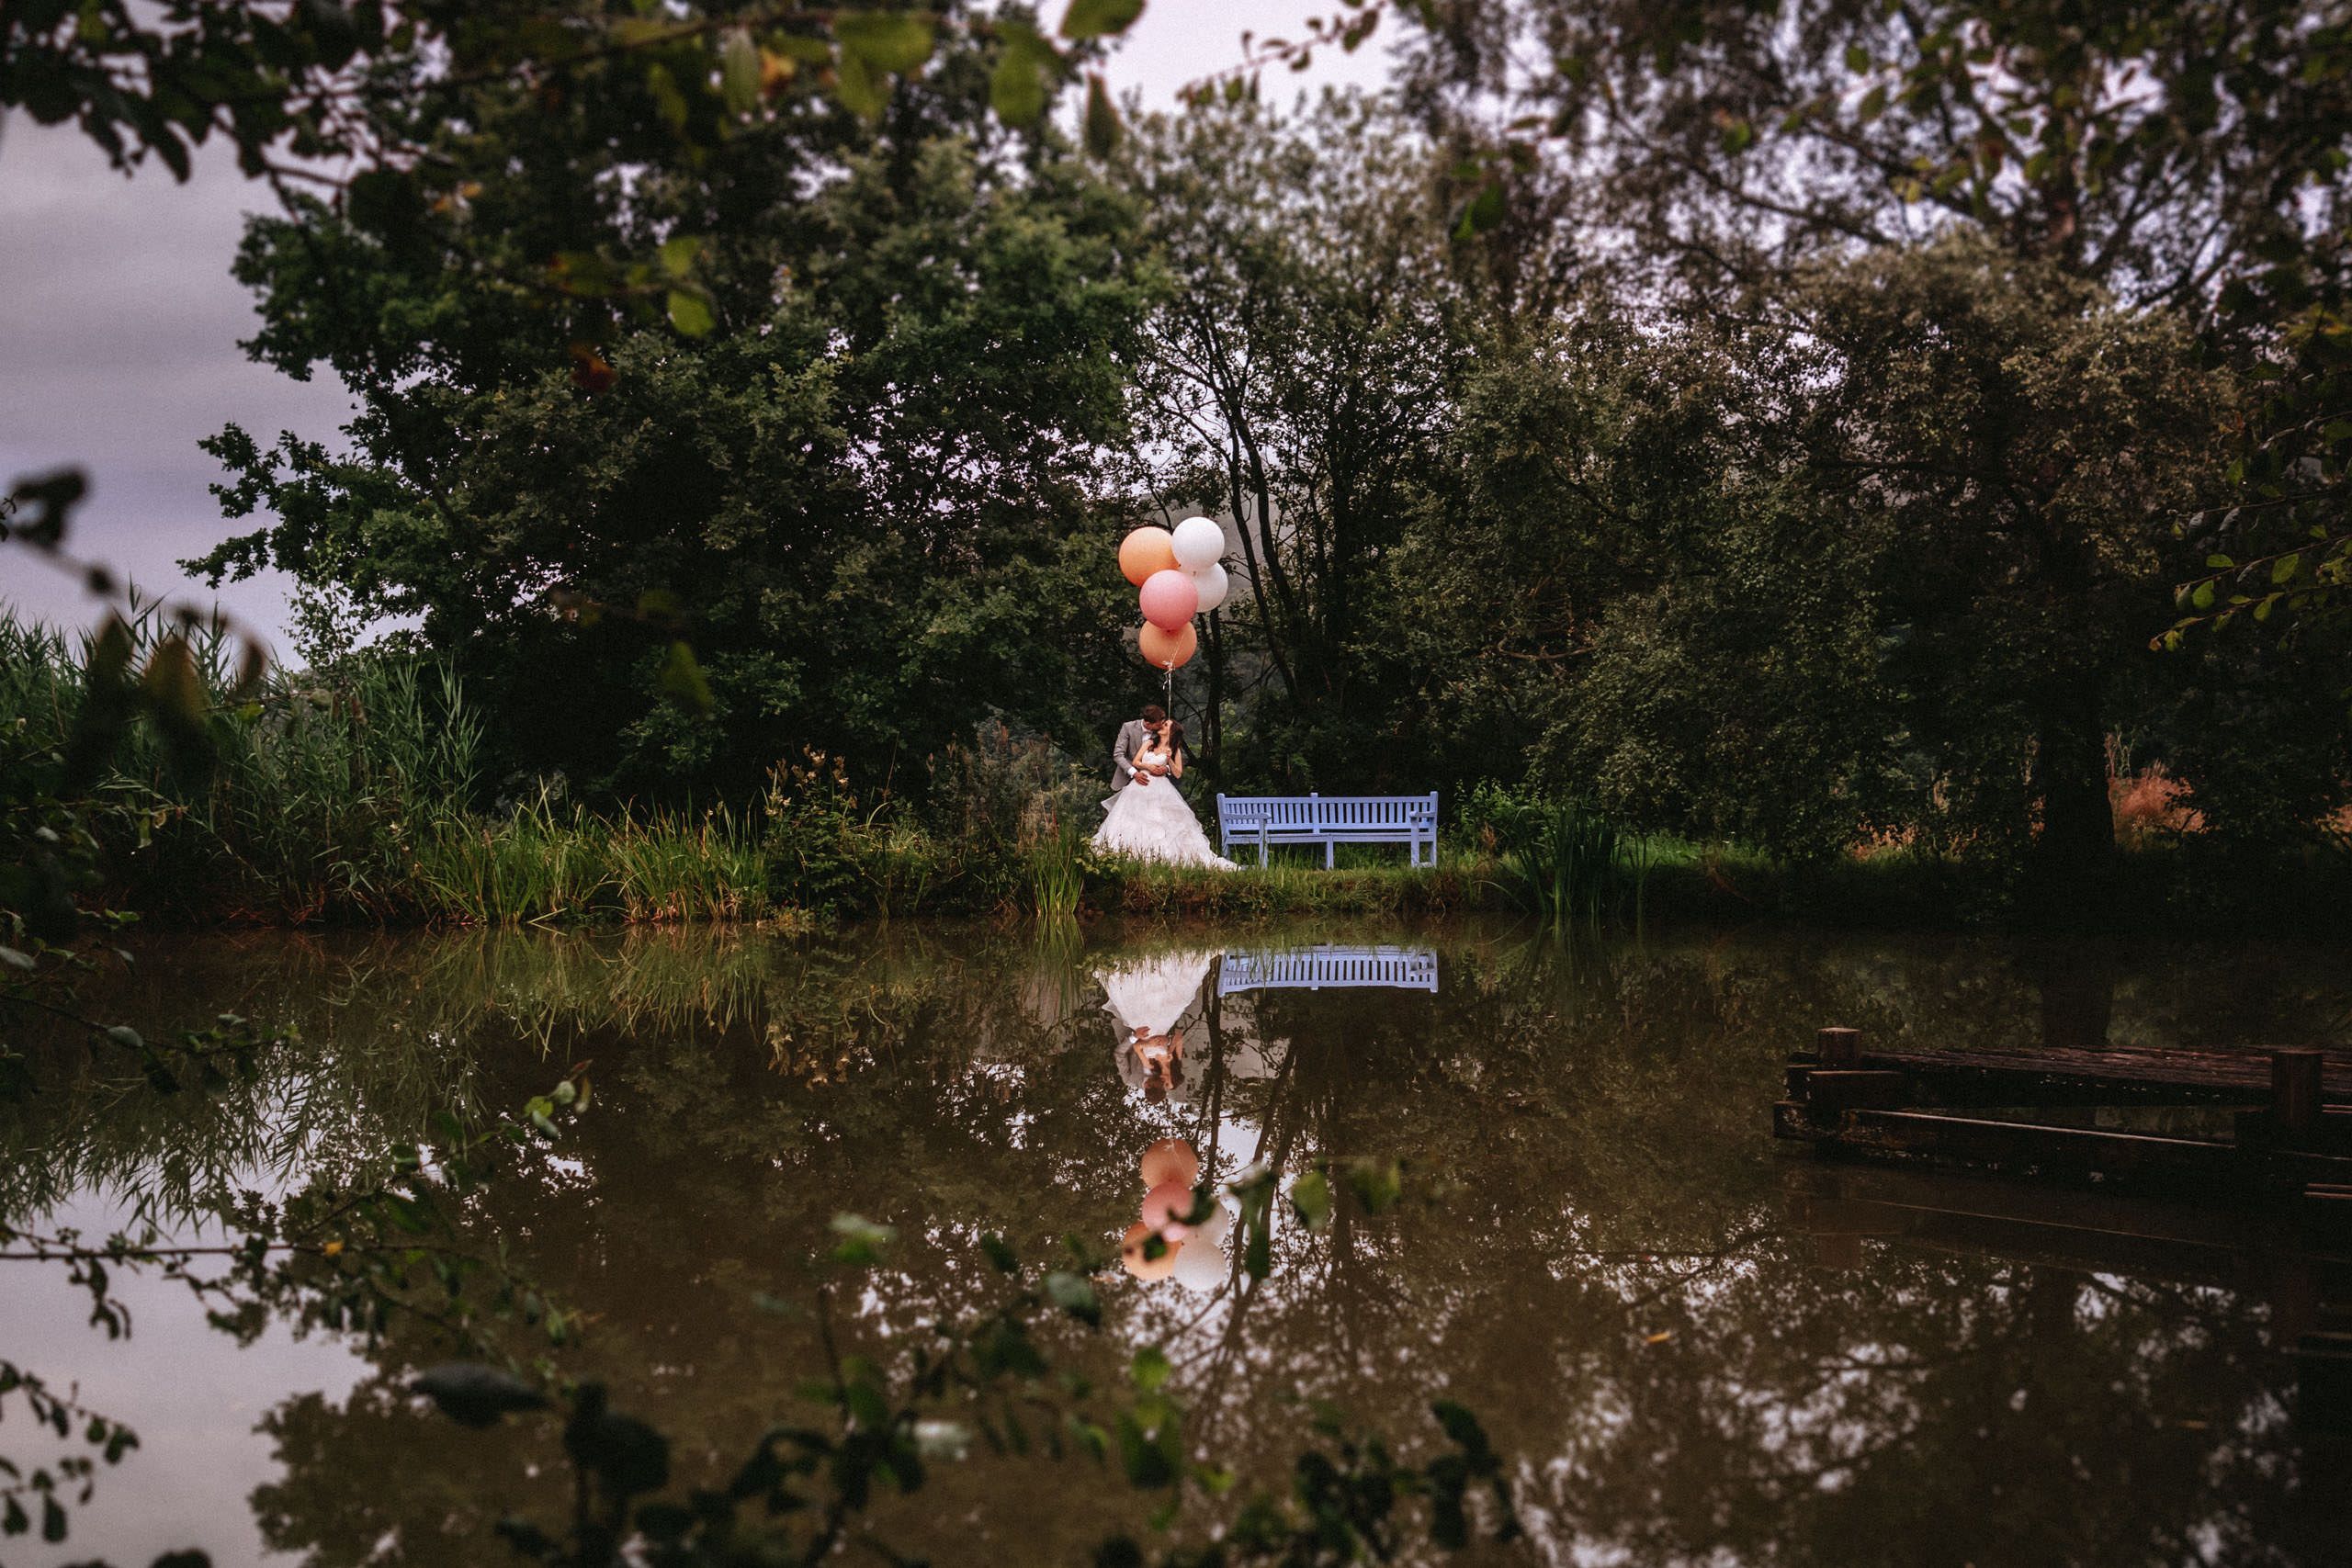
[360,799]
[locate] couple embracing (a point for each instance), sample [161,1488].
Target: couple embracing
[1147,819]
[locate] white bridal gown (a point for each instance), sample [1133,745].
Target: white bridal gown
[1153,823]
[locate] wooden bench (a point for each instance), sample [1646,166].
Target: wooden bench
[1330,820]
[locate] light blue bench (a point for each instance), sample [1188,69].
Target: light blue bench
[1330,820]
[1335,969]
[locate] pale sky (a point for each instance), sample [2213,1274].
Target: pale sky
[120,322]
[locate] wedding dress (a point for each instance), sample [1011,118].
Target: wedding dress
[1152,822]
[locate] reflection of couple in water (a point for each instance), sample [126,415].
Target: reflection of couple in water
[1179,1231]
[1153,1000]
[1162,1057]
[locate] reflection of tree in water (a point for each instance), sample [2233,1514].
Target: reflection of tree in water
[1588,1172]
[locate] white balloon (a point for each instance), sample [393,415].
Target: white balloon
[1200,1265]
[1212,1229]
[1200,543]
[1213,585]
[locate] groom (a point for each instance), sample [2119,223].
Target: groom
[1133,736]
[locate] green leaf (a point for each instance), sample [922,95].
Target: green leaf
[582,273]
[2222,562]
[1151,1459]
[887,41]
[1103,127]
[1482,212]
[994,1247]
[2284,569]
[681,678]
[738,72]
[669,101]
[1310,1195]
[1075,1296]
[1026,67]
[859,88]
[690,312]
[1151,1368]
[2202,597]
[1095,18]
[862,1240]
[679,252]
[1377,1185]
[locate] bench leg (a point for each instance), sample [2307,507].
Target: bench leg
[1262,849]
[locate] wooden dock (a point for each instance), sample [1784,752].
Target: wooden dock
[2258,1185]
[2280,1121]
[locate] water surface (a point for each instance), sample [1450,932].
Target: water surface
[1693,1345]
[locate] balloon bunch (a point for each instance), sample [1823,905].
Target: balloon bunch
[1180,576]
[1191,1256]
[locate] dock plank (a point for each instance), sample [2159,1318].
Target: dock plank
[2083,1076]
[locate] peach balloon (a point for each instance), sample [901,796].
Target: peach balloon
[1170,598]
[1164,1208]
[1145,551]
[1131,1255]
[1171,1159]
[1165,649]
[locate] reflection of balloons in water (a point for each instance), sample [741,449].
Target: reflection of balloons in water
[1211,583]
[1200,1265]
[1198,542]
[1166,650]
[1168,599]
[1145,551]
[1131,1255]
[1164,1208]
[1171,1159]
[1211,1230]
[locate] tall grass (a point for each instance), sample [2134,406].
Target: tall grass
[350,795]
[318,794]
[1563,864]
[541,864]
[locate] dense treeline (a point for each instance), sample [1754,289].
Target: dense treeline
[1784,425]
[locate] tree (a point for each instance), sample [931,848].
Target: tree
[839,486]
[1877,561]
[1298,374]
[2156,147]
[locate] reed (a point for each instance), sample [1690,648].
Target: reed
[542,864]
[348,796]
[317,793]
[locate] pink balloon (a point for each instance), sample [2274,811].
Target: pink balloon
[1164,1208]
[1171,599]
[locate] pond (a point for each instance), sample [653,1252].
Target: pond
[1689,1344]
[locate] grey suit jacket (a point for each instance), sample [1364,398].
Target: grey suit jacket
[1132,738]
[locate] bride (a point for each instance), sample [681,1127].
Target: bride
[1147,819]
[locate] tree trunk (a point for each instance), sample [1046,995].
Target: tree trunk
[1213,715]
[2077,825]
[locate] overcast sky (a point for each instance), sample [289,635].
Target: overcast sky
[120,322]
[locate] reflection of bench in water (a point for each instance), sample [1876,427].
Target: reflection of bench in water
[1335,969]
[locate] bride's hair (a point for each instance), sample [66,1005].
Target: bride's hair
[1174,736]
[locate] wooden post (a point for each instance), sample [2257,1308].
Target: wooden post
[1840,1048]
[2294,1088]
